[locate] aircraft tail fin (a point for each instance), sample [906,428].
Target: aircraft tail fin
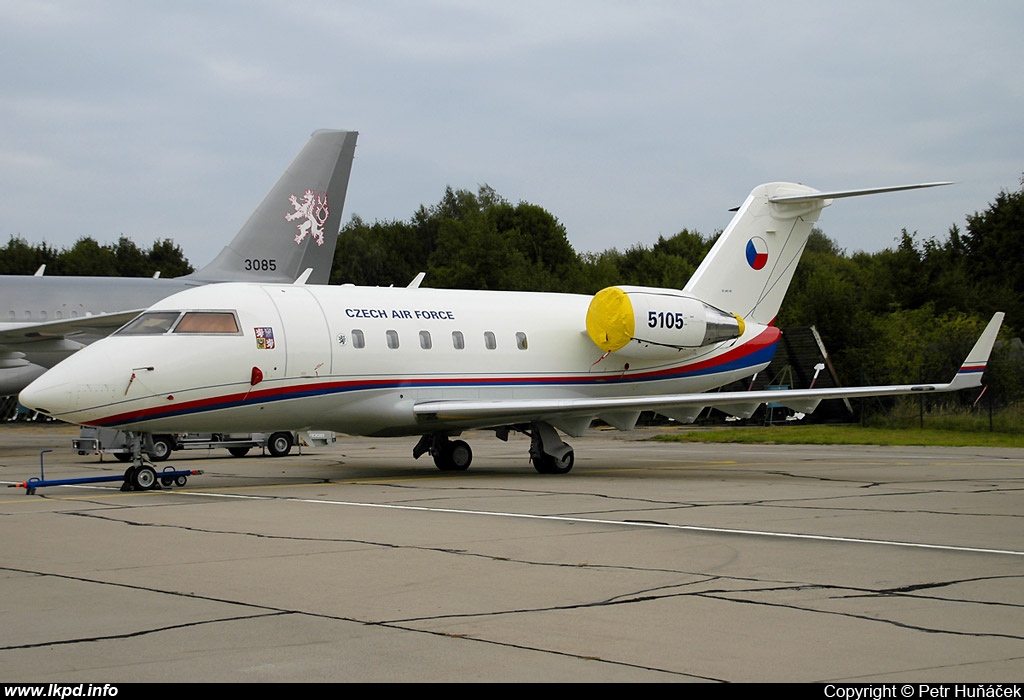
[748,270]
[296,225]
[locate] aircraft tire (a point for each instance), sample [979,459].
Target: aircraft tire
[456,456]
[279,444]
[144,478]
[460,455]
[162,448]
[238,451]
[546,464]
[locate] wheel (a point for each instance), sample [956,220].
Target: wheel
[181,480]
[162,447]
[546,464]
[166,481]
[279,444]
[460,455]
[455,456]
[238,451]
[144,478]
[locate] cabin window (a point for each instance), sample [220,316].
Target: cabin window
[392,339]
[150,323]
[458,341]
[207,322]
[521,340]
[425,340]
[358,339]
[489,342]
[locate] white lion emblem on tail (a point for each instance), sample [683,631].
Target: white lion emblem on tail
[313,210]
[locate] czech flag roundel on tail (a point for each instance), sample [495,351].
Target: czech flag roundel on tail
[757,253]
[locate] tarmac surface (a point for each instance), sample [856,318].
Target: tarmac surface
[649,562]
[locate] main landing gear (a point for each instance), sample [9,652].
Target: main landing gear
[548,453]
[449,455]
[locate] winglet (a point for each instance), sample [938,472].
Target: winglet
[977,359]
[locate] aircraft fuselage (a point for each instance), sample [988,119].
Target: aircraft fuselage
[357,359]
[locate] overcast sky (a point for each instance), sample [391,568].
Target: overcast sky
[625,120]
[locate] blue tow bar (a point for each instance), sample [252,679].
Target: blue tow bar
[166,477]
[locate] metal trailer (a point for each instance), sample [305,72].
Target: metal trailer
[158,447]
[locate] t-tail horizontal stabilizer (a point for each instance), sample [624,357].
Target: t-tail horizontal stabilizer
[853,193]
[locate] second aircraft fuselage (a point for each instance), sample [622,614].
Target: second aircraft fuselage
[356,360]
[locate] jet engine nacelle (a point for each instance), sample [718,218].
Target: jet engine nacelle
[651,323]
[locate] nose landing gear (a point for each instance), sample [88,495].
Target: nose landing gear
[141,476]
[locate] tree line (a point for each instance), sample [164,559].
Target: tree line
[87,258]
[904,314]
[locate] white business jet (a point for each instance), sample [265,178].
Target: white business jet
[433,362]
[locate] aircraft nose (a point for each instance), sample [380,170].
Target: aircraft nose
[46,396]
[64,396]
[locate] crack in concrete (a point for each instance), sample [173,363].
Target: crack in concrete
[869,618]
[271,611]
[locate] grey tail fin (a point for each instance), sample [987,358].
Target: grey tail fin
[296,225]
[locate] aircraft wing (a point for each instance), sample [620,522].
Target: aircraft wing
[96,324]
[686,407]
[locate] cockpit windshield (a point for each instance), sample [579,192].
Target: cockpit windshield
[150,323]
[160,322]
[207,322]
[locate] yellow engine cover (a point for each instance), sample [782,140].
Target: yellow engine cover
[610,319]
